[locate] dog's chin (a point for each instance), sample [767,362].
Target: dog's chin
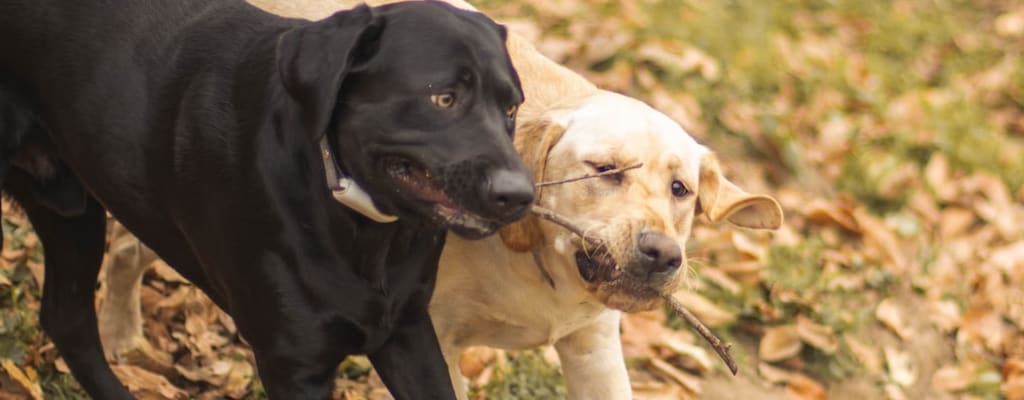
[426,196]
[465,223]
[612,286]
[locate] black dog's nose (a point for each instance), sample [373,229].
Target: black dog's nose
[658,253]
[509,194]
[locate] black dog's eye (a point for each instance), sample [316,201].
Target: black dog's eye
[679,189]
[511,111]
[443,100]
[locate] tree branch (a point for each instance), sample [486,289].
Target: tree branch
[722,348]
[588,176]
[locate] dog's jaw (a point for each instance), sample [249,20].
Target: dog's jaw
[426,187]
[613,285]
[464,223]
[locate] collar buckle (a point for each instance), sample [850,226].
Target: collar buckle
[346,191]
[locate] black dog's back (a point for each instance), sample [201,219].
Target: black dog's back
[58,50]
[141,58]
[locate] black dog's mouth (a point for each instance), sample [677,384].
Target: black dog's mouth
[418,181]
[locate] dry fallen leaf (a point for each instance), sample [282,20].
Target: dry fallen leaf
[945,314]
[1013,379]
[659,391]
[882,238]
[745,245]
[894,392]
[983,325]
[1011,24]
[867,355]
[704,309]
[475,359]
[954,221]
[819,336]
[689,382]
[641,332]
[952,378]
[774,374]
[239,378]
[826,212]
[24,378]
[900,366]
[801,387]
[682,60]
[146,385]
[693,357]
[889,314]
[37,270]
[779,343]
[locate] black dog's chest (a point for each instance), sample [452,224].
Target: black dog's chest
[399,264]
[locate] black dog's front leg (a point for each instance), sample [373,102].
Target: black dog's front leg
[411,364]
[298,354]
[301,375]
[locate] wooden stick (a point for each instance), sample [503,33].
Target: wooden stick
[565,223]
[722,348]
[588,176]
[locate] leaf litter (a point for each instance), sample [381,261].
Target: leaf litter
[891,132]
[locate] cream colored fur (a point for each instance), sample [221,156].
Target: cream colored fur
[492,292]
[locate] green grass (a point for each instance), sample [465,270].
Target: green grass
[525,375]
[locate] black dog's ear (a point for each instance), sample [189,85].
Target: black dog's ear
[313,60]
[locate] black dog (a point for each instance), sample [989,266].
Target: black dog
[200,125]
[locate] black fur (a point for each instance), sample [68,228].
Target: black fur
[196,124]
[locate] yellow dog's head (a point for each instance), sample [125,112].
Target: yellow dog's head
[644,215]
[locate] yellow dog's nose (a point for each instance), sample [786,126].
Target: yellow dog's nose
[658,253]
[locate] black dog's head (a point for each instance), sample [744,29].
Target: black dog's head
[419,102]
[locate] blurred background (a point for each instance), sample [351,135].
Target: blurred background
[892,132]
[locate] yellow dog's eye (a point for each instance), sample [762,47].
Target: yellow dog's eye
[602,168]
[679,189]
[443,100]
[511,111]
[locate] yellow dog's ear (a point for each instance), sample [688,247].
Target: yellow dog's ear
[534,140]
[719,199]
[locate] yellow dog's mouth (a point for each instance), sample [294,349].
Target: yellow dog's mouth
[597,266]
[613,285]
